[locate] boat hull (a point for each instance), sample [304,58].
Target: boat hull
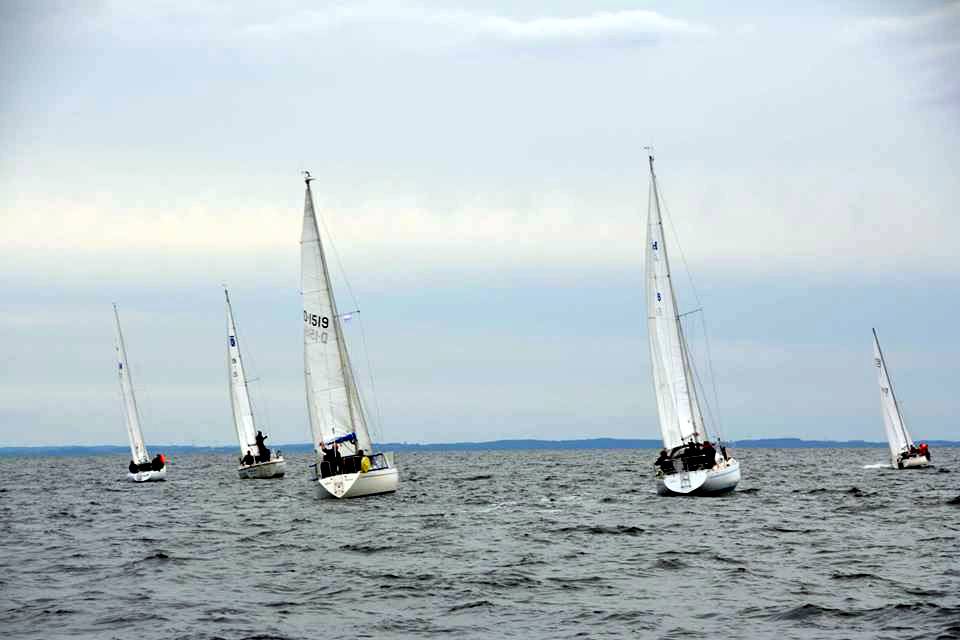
[263,470]
[357,485]
[707,482]
[148,476]
[915,462]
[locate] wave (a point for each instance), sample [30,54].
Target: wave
[855,576]
[365,548]
[878,465]
[670,563]
[470,605]
[621,530]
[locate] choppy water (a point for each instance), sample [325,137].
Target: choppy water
[534,544]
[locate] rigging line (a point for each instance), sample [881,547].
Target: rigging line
[373,388]
[713,377]
[696,295]
[356,304]
[699,382]
[683,256]
[249,360]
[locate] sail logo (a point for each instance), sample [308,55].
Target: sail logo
[233,341]
[876,361]
[654,245]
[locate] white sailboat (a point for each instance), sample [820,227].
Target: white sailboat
[256,461]
[687,466]
[141,468]
[903,453]
[337,418]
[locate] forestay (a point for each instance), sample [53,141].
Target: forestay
[898,437]
[138,450]
[680,417]
[333,401]
[239,393]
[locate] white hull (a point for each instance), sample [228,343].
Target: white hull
[273,469]
[706,482]
[148,476]
[916,462]
[356,485]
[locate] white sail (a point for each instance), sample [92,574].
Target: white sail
[333,401]
[239,393]
[138,450]
[680,415]
[897,435]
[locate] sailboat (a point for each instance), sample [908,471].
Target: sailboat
[903,453]
[346,465]
[689,464]
[141,468]
[256,461]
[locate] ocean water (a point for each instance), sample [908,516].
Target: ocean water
[814,544]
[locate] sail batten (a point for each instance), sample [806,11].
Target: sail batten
[681,420]
[138,449]
[333,400]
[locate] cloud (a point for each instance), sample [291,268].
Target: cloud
[631,27]
[929,42]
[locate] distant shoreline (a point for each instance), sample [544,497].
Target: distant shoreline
[494,445]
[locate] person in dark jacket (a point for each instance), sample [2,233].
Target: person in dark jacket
[709,455]
[262,450]
[133,468]
[661,459]
[248,459]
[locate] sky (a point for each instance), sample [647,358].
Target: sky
[481,169]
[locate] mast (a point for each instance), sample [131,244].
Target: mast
[344,371]
[885,375]
[138,449]
[243,419]
[691,402]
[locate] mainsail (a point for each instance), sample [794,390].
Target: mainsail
[138,450]
[898,437]
[239,393]
[681,420]
[333,400]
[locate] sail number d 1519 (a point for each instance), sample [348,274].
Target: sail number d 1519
[316,321]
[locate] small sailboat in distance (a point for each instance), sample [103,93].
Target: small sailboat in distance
[689,464]
[256,460]
[904,454]
[141,468]
[337,417]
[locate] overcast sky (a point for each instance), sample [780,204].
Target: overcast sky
[482,172]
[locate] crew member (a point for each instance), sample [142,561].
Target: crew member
[364,462]
[248,459]
[262,450]
[709,455]
[661,460]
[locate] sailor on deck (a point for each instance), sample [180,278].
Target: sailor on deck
[262,450]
